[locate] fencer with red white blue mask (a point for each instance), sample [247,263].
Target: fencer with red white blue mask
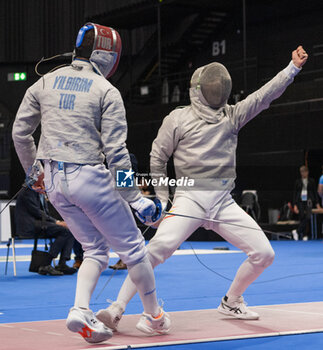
[83,124]
[106,51]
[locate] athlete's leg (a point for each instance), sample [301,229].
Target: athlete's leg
[80,318]
[99,218]
[96,251]
[171,233]
[252,241]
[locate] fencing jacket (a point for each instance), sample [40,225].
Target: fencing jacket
[82,119]
[203,140]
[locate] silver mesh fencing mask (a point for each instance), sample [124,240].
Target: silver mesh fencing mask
[214,83]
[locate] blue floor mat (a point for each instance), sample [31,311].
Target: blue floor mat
[296,276]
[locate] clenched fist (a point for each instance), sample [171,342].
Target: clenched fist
[299,57]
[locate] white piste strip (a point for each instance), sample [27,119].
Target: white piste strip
[53,333]
[30,329]
[24,258]
[23,245]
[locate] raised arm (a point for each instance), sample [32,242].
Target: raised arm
[256,102]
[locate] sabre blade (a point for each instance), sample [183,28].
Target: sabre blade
[228,223]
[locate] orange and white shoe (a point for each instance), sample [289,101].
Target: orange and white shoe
[84,322]
[154,325]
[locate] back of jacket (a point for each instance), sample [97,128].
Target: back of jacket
[82,118]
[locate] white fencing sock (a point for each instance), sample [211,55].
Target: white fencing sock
[127,292]
[246,274]
[143,278]
[87,278]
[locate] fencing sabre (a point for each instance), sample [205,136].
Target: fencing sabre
[31,178]
[228,223]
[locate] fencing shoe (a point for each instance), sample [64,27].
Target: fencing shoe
[237,308]
[111,315]
[85,323]
[65,269]
[77,264]
[154,325]
[49,270]
[120,265]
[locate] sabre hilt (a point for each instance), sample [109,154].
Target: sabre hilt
[151,220]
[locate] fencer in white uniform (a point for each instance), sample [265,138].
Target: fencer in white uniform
[202,138]
[83,123]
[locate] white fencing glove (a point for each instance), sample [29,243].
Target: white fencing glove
[147,211]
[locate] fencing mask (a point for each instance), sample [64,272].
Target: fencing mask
[213,83]
[104,54]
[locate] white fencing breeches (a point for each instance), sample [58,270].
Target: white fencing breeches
[100,219]
[174,230]
[95,212]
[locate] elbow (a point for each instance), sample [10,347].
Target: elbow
[19,139]
[157,163]
[17,134]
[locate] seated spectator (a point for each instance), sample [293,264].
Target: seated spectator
[32,218]
[305,198]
